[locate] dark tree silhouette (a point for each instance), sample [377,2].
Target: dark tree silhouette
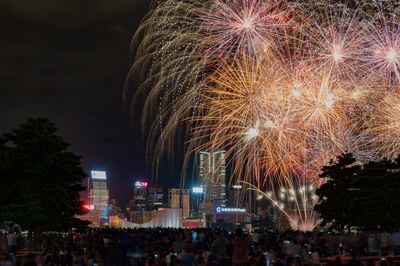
[40,180]
[364,196]
[334,195]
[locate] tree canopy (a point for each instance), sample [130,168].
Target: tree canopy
[364,196]
[40,180]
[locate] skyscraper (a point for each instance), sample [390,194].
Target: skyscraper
[99,196]
[236,197]
[179,198]
[140,195]
[213,178]
[155,198]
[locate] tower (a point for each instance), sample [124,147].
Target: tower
[179,199]
[213,178]
[99,196]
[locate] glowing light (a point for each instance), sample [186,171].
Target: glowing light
[99,175]
[337,54]
[229,210]
[329,100]
[296,93]
[197,190]
[251,133]
[392,56]
[141,184]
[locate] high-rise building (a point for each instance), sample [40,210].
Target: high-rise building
[155,198]
[140,195]
[197,202]
[213,178]
[99,196]
[179,198]
[236,197]
[115,210]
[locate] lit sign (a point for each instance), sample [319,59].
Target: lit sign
[140,184]
[101,175]
[88,207]
[104,213]
[223,209]
[237,186]
[197,190]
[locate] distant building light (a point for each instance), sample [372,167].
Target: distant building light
[224,209]
[141,184]
[99,175]
[197,189]
[237,186]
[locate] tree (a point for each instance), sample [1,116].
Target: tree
[365,196]
[377,206]
[40,180]
[334,194]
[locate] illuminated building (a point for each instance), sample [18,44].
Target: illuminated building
[155,198]
[179,199]
[140,217]
[197,201]
[228,217]
[213,178]
[236,196]
[99,197]
[140,195]
[115,210]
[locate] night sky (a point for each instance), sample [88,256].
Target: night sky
[67,60]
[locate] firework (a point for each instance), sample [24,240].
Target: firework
[235,26]
[281,88]
[335,43]
[383,126]
[295,200]
[383,56]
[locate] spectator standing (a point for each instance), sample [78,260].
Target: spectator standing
[220,247]
[12,242]
[240,249]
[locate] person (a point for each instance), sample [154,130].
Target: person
[211,261]
[5,260]
[314,255]
[255,237]
[199,259]
[261,261]
[220,247]
[151,260]
[114,255]
[396,243]
[171,257]
[240,249]
[31,260]
[12,242]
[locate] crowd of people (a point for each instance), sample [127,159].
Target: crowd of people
[201,247]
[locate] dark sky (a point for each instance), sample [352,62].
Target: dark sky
[67,60]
